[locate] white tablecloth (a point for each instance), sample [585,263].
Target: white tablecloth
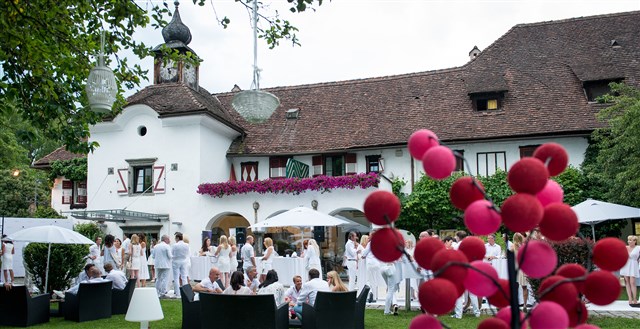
[287,268]
[500,264]
[200,267]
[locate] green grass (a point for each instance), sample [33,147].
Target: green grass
[374,319]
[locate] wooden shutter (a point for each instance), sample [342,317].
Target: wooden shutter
[159,180]
[81,189]
[249,171]
[123,180]
[316,162]
[67,192]
[350,164]
[277,167]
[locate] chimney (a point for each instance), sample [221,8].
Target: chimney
[474,53]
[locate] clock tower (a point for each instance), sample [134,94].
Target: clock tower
[176,37]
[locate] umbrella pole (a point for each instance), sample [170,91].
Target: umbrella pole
[593,232]
[46,276]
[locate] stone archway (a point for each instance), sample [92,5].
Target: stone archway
[228,223]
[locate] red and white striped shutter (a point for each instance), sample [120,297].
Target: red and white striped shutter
[67,191]
[351,164]
[316,162]
[249,171]
[123,180]
[277,167]
[159,179]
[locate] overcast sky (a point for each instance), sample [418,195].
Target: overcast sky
[355,39]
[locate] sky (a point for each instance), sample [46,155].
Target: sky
[357,39]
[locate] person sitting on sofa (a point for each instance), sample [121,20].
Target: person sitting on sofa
[84,275]
[209,284]
[94,276]
[271,286]
[236,285]
[310,290]
[291,295]
[251,278]
[118,277]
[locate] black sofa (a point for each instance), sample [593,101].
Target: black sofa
[332,310]
[92,302]
[19,309]
[120,299]
[243,312]
[191,318]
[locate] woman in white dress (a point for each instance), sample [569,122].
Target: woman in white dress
[151,261]
[233,255]
[630,270]
[8,251]
[144,267]
[271,286]
[224,262]
[373,269]
[206,248]
[119,256]
[267,259]
[312,257]
[135,251]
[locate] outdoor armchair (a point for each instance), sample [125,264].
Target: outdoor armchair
[92,302]
[19,309]
[191,318]
[120,298]
[361,303]
[243,312]
[332,310]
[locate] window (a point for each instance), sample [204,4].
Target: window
[487,163]
[334,165]
[74,193]
[490,101]
[277,167]
[143,176]
[459,160]
[595,89]
[249,171]
[373,163]
[527,150]
[636,227]
[142,179]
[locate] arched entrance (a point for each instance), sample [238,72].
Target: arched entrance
[229,224]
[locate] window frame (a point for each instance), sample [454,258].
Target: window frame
[134,166]
[480,101]
[486,154]
[528,150]
[371,159]
[593,88]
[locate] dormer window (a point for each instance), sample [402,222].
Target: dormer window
[490,101]
[597,88]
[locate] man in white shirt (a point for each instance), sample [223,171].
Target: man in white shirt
[209,284]
[251,278]
[94,254]
[291,295]
[84,275]
[116,276]
[310,290]
[248,254]
[180,251]
[125,246]
[351,255]
[493,250]
[162,264]
[94,276]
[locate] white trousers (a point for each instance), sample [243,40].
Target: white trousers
[373,272]
[352,270]
[180,271]
[162,280]
[393,284]
[462,300]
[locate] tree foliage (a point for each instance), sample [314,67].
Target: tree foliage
[48,49]
[65,263]
[90,229]
[18,194]
[73,169]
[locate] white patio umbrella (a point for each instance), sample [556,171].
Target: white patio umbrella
[52,235]
[300,217]
[592,212]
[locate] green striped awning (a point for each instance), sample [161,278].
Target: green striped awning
[297,169]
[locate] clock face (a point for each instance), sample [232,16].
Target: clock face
[189,74]
[169,71]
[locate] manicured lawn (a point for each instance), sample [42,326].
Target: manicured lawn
[374,319]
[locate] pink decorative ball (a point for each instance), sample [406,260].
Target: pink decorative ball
[387,244]
[499,299]
[521,212]
[481,219]
[473,248]
[439,162]
[478,283]
[548,315]
[610,254]
[557,156]
[551,193]
[381,203]
[528,175]
[538,259]
[425,249]
[463,192]
[578,314]
[425,321]
[601,287]
[455,273]
[505,315]
[421,141]
[437,296]
[493,323]
[586,326]
[559,222]
[564,294]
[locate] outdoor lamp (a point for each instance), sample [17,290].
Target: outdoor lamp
[101,85]
[144,307]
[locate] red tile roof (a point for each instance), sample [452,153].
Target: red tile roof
[59,154]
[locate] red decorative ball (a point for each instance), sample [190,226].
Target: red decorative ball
[564,294]
[493,323]
[439,162]
[381,203]
[586,326]
[573,271]
[455,273]
[478,281]
[601,287]
[424,251]
[521,212]
[505,315]
[578,314]
[473,248]
[551,193]
[557,155]
[537,259]
[610,254]
[528,175]
[425,321]
[548,315]
[463,192]
[499,299]
[559,222]
[437,296]
[480,218]
[421,141]
[387,244]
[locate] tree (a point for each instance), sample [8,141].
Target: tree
[47,48]
[18,194]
